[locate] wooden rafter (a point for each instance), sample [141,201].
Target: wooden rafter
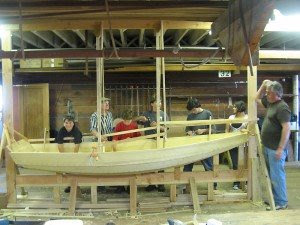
[179,34]
[66,37]
[32,39]
[81,35]
[141,37]
[197,36]
[48,37]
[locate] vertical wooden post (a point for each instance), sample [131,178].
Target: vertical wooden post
[210,191]
[253,185]
[7,74]
[56,195]
[8,115]
[163,72]
[94,195]
[73,196]
[159,35]
[194,194]
[100,81]
[10,178]
[133,196]
[173,186]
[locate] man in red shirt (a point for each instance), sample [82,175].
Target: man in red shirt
[126,125]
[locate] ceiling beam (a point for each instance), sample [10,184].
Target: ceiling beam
[141,38]
[48,37]
[115,24]
[30,38]
[81,34]
[168,68]
[179,34]
[132,42]
[123,37]
[197,36]
[123,53]
[66,37]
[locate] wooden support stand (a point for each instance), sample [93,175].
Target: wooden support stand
[133,197]
[194,194]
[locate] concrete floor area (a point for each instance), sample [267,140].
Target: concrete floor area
[228,213]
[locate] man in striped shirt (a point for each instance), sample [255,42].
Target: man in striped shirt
[106,121]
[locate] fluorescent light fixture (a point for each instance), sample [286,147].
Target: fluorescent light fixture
[283,23]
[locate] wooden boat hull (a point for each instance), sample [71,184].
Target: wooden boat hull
[178,151]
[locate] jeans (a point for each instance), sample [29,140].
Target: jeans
[234,153]
[207,163]
[277,175]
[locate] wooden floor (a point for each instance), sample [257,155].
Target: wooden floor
[229,213]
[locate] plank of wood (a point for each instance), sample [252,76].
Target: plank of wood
[265,172]
[94,196]
[173,193]
[56,195]
[216,162]
[10,178]
[253,185]
[73,196]
[210,191]
[194,194]
[133,197]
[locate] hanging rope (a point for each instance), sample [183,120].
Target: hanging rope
[110,30]
[203,62]
[246,36]
[21,29]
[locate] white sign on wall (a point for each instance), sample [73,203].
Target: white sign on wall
[224,73]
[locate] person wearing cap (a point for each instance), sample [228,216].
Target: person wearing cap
[106,121]
[148,119]
[69,130]
[198,113]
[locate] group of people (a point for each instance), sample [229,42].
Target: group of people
[275,132]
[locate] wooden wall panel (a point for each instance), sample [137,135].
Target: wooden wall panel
[31,112]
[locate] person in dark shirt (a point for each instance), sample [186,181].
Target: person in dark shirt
[275,134]
[198,113]
[149,119]
[69,130]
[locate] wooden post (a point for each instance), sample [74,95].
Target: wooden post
[94,194]
[265,173]
[210,191]
[163,72]
[133,196]
[100,85]
[173,186]
[10,178]
[194,194]
[73,196]
[7,74]
[159,35]
[253,185]
[56,195]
